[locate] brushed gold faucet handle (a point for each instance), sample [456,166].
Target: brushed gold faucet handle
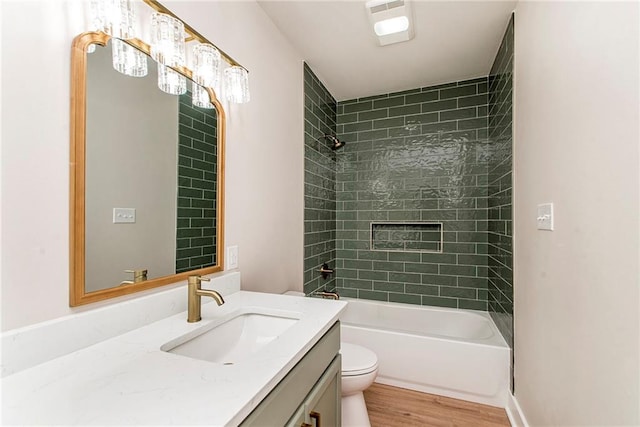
[138,275]
[196,280]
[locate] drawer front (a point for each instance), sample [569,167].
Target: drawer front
[290,393]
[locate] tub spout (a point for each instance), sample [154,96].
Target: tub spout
[326,294]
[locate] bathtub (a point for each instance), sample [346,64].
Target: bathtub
[454,353]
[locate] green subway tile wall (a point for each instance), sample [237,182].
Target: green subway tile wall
[197,171]
[500,247]
[319,183]
[412,156]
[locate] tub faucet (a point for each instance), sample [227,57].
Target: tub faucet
[326,294]
[195,295]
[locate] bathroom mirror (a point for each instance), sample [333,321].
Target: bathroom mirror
[146,178]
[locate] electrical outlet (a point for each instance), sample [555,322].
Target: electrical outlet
[232,257]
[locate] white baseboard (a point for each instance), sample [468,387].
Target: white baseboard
[497,400]
[514,412]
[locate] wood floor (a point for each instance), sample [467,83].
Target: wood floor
[397,407]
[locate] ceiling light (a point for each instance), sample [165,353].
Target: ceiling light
[391,26]
[391,20]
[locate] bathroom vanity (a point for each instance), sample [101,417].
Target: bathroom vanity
[141,377]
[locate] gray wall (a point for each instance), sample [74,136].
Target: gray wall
[577,144]
[319,183]
[418,155]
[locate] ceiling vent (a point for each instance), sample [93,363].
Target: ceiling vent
[391,20]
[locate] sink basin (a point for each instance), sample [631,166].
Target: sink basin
[235,338]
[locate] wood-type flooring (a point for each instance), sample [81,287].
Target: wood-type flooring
[397,407]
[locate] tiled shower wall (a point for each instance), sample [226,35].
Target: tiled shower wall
[197,169]
[418,155]
[500,260]
[319,183]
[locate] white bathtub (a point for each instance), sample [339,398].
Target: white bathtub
[455,353]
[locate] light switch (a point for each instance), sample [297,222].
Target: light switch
[545,216]
[124,215]
[232,257]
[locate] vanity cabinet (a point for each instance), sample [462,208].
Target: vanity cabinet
[322,405]
[309,396]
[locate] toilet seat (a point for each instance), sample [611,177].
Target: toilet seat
[357,360]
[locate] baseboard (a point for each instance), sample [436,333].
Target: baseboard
[514,412]
[497,401]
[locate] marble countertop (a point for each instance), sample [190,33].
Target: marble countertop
[128,379]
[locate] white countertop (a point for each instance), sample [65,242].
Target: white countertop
[128,380]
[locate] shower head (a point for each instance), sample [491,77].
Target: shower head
[335,142]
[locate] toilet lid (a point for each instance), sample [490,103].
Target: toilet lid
[357,360]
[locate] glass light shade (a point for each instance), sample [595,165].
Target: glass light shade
[237,84]
[127,59]
[167,40]
[206,65]
[171,82]
[114,17]
[200,97]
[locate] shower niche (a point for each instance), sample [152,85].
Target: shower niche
[406,236]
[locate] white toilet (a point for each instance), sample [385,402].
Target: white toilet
[359,369]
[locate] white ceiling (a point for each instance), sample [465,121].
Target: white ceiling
[454,40]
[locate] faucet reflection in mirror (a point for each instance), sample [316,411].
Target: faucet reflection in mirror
[168,38]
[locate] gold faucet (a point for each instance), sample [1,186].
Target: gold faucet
[138,276]
[195,294]
[325,294]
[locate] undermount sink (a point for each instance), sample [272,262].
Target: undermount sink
[235,338]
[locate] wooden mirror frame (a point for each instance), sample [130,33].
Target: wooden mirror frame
[78,295]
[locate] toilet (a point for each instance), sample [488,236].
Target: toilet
[359,370]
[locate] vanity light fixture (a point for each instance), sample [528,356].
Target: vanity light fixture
[114,17]
[117,19]
[206,65]
[127,59]
[168,39]
[171,82]
[200,97]
[237,84]
[206,72]
[168,49]
[391,20]
[236,77]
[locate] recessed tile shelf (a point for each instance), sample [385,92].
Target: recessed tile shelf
[406,236]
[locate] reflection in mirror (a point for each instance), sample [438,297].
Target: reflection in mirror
[151,178]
